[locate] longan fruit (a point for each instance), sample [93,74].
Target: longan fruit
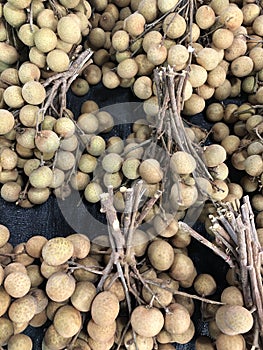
[182,163]
[34,275]
[166,5]
[92,74]
[149,10]
[83,296]
[220,130]
[177,320]
[142,87]
[232,296]
[242,66]
[257,25]
[255,147]
[45,39]
[60,286]
[39,319]
[194,105]
[81,245]
[174,25]
[231,144]
[222,38]
[7,121]
[214,155]
[134,24]
[10,191]
[216,77]
[57,251]
[205,284]
[68,30]
[236,49]
[8,54]
[87,163]
[204,343]
[112,162]
[17,284]
[33,92]
[110,79]
[160,254]
[58,60]
[166,225]
[234,319]
[41,177]
[230,342]
[205,17]
[163,297]
[53,340]
[150,38]
[127,68]
[231,17]
[181,268]
[23,309]
[253,165]
[20,341]
[38,195]
[4,235]
[5,302]
[82,274]
[106,121]
[67,321]
[13,96]
[207,58]
[105,308]
[6,330]
[197,75]
[47,18]
[130,168]
[147,322]
[150,171]
[92,192]
[96,145]
[101,333]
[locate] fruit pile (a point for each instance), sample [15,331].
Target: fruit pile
[122,291]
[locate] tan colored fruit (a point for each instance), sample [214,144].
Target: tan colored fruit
[101,333]
[165,225]
[83,275]
[105,308]
[58,60]
[7,121]
[214,155]
[205,285]
[216,76]
[92,192]
[8,53]
[230,342]
[182,267]
[45,39]
[253,165]
[177,320]
[57,251]
[174,25]
[204,343]
[157,54]
[142,87]
[160,254]
[242,66]
[182,163]
[13,96]
[205,17]
[207,58]
[147,322]
[68,30]
[231,17]
[6,330]
[150,171]
[20,341]
[232,296]
[257,25]
[197,75]
[83,296]
[60,286]
[166,5]
[163,297]
[183,196]
[134,24]
[150,38]
[33,92]
[194,105]
[22,309]
[222,38]
[17,284]
[10,191]
[67,321]
[53,340]
[5,302]
[234,319]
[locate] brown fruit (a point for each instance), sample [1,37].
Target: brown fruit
[147,321]
[105,308]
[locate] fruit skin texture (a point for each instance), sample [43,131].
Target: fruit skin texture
[147,322]
[67,321]
[105,308]
[57,251]
[234,319]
